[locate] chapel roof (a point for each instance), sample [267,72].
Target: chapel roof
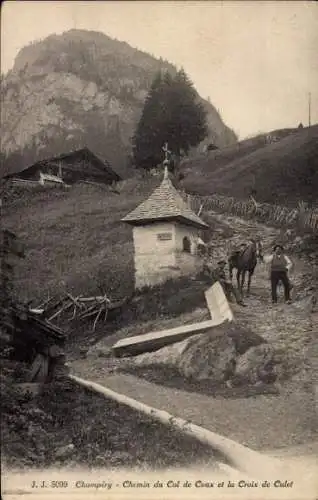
[165,203]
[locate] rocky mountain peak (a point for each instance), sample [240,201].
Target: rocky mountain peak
[81,88]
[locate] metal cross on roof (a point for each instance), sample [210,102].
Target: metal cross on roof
[166,160]
[166,151]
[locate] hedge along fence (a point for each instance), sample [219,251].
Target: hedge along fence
[301,217]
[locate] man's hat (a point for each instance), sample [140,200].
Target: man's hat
[221,262]
[278,246]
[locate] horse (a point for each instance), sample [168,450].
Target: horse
[245,261]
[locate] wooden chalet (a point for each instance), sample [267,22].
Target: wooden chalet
[76,166]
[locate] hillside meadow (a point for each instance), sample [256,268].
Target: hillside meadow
[74,239]
[283,172]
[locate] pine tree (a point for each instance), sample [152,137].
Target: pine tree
[146,139]
[171,113]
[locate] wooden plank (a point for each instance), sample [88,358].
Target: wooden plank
[220,313]
[217,303]
[39,369]
[155,340]
[35,328]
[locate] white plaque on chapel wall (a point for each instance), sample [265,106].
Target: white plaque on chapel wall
[164,236]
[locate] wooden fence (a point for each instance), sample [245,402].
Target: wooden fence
[302,218]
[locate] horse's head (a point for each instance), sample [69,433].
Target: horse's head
[259,249]
[253,248]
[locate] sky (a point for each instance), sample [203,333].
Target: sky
[256,61]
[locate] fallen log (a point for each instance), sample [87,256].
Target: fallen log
[240,457]
[100,298]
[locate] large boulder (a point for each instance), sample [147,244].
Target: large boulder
[244,338]
[208,356]
[169,355]
[259,364]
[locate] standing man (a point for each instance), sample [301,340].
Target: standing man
[218,274]
[280,265]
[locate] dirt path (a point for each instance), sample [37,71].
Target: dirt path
[263,422]
[286,326]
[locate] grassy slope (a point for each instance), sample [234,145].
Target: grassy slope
[75,241]
[34,432]
[219,158]
[276,171]
[75,237]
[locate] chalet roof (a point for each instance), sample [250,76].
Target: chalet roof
[165,203]
[102,166]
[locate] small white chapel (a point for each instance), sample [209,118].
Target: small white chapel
[166,234]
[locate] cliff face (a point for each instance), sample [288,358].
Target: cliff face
[80,89]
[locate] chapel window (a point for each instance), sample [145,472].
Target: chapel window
[186,245]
